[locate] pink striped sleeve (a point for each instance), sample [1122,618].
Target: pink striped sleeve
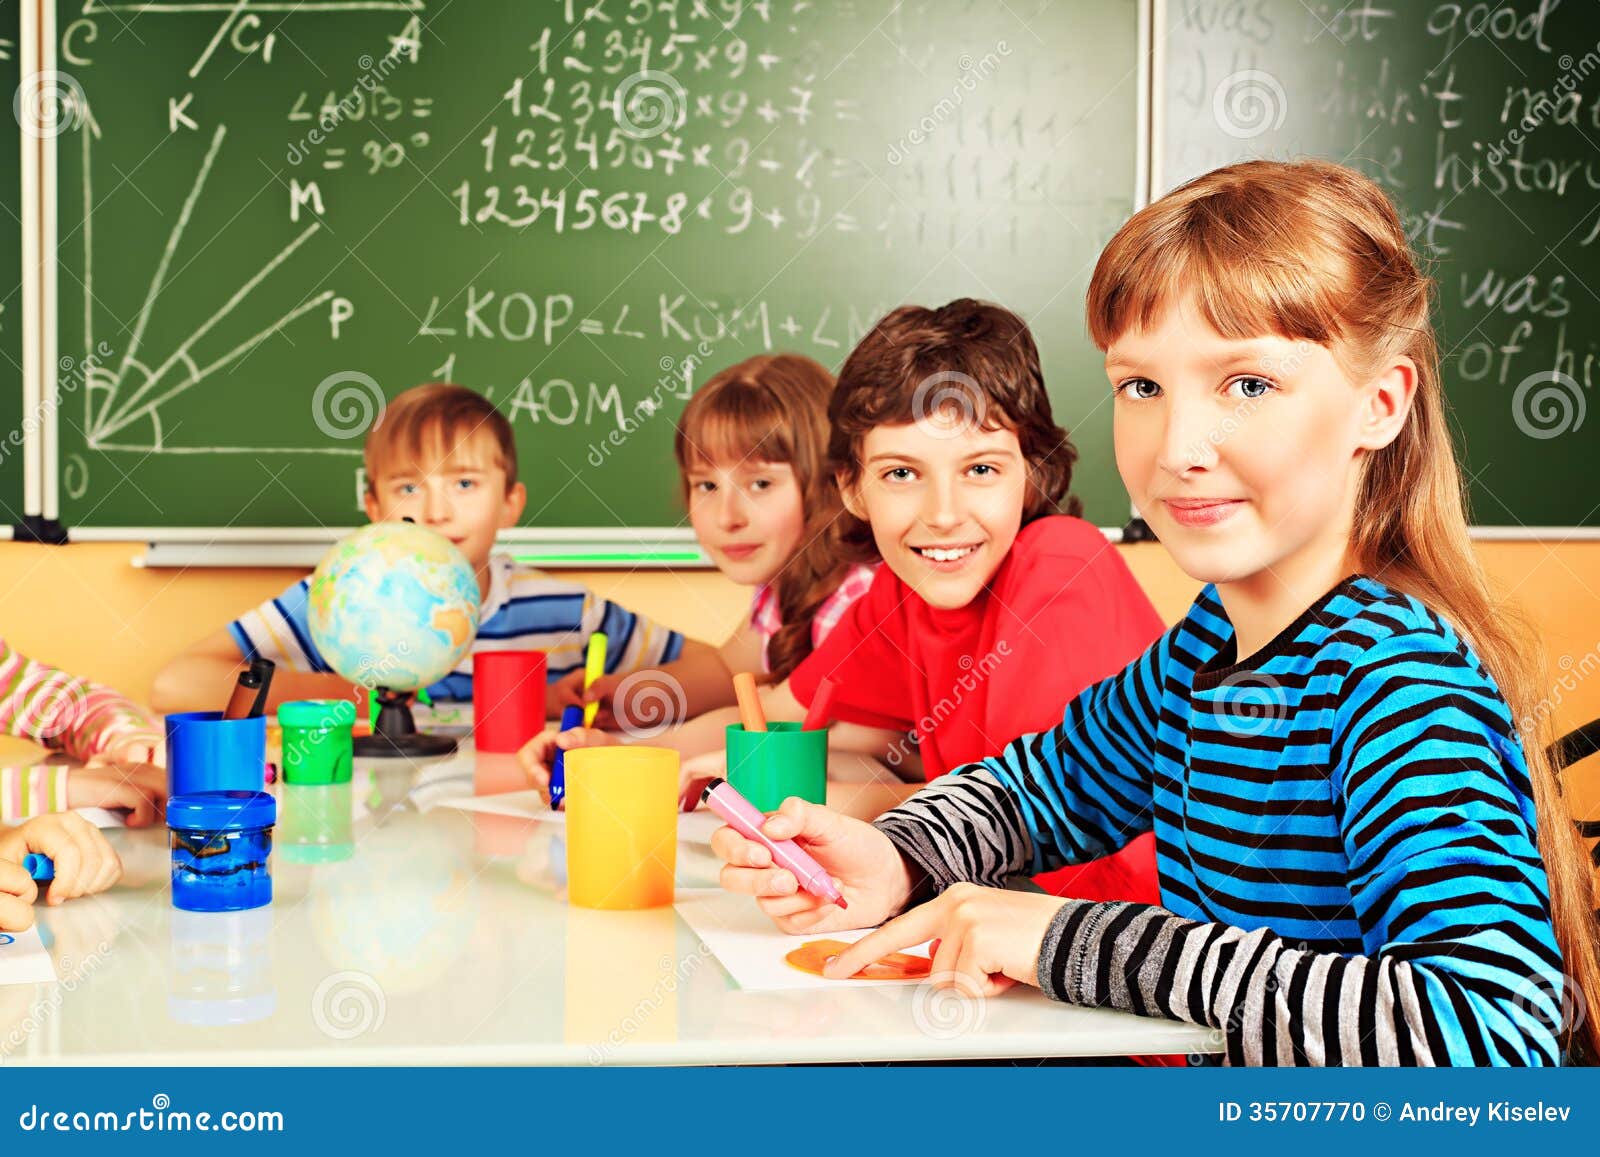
[32,791]
[52,708]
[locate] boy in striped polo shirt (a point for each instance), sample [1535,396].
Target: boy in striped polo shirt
[443,456]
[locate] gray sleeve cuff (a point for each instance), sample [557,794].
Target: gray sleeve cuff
[964,827]
[1060,953]
[928,877]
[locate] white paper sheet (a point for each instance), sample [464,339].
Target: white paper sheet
[24,959]
[752,950]
[526,805]
[693,827]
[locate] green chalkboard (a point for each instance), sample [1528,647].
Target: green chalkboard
[276,213]
[1483,122]
[11,405]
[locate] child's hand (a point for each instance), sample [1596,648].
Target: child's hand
[987,938]
[569,691]
[84,861]
[141,748]
[697,771]
[863,862]
[17,893]
[138,787]
[539,752]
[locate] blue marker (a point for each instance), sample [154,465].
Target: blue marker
[570,717]
[39,866]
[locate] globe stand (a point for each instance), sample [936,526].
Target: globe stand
[395,734]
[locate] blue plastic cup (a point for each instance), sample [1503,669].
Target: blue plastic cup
[221,842]
[206,752]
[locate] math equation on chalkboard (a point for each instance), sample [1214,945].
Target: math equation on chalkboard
[274,216]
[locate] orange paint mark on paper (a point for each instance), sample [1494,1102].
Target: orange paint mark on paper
[811,956]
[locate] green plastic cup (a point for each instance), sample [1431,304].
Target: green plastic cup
[767,767]
[317,743]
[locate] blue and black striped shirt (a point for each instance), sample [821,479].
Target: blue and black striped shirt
[1345,835]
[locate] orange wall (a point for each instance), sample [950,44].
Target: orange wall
[86,608]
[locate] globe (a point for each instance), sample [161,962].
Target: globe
[394,605]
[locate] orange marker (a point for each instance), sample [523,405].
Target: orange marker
[750,713]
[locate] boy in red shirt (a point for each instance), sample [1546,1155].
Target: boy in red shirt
[992,609]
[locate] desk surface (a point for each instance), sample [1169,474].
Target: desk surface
[442,937]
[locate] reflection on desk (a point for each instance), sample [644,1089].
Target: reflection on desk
[405,932]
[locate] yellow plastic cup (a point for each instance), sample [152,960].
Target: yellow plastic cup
[622,826]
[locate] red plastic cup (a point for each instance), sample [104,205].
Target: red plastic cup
[507,699]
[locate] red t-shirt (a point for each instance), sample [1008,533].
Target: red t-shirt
[1062,612]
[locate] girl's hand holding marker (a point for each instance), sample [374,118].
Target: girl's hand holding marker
[861,863]
[987,938]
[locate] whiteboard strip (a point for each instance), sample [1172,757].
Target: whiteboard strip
[49,426]
[663,536]
[1158,94]
[1146,103]
[32,323]
[677,536]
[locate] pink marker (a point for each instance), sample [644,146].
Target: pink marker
[721,797]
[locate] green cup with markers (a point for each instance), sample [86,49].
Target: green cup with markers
[767,767]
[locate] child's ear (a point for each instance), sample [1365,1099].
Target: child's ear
[516,502]
[850,495]
[370,502]
[1388,404]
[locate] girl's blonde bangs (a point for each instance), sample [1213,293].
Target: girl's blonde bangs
[1290,283]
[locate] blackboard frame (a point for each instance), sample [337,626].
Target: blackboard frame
[24,511]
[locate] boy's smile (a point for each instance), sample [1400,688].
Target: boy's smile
[944,510]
